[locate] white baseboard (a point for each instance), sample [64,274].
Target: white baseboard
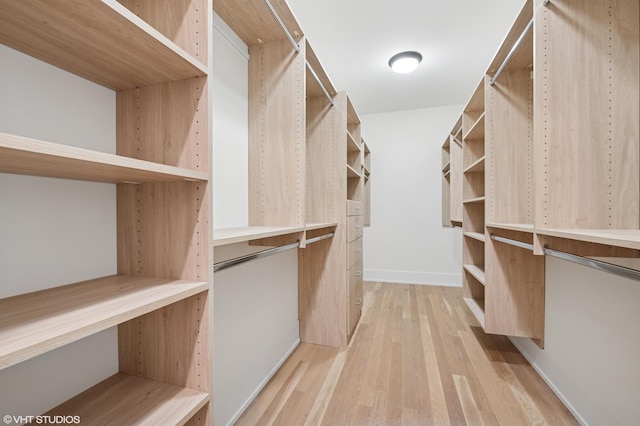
[413,277]
[263,384]
[549,382]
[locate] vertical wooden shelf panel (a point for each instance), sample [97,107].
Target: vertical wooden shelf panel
[164,228]
[366,207]
[473,206]
[276,134]
[509,162]
[587,148]
[514,295]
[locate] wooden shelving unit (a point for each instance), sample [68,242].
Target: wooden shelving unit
[159,68]
[306,165]
[544,164]
[452,176]
[367,184]
[587,179]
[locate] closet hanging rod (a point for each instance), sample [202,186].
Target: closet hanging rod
[595,264]
[320,238]
[282,26]
[315,76]
[581,260]
[512,52]
[225,264]
[512,242]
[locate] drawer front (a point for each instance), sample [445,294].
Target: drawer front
[354,228]
[354,253]
[354,208]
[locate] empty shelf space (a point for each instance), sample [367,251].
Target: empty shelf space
[34,323]
[475,235]
[477,166]
[476,132]
[627,238]
[352,145]
[476,271]
[520,227]
[474,200]
[124,399]
[313,87]
[477,309]
[225,236]
[101,41]
[20,155]
[351,172]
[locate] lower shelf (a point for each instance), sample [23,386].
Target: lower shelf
[123,400]
[476,271]
[477,309]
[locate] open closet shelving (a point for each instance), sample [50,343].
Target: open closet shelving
[158,68]
[452,177]
[550,157]
[305,165]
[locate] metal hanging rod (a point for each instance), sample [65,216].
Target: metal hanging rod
[581,260]
[315,76]
[320,238]
[225,264]
[512,242]
[512,52]
[283,26]
[595,264]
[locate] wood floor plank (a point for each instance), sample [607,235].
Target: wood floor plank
[417,357]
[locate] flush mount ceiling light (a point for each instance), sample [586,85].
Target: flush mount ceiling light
[405,62]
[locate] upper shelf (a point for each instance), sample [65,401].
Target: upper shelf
[523,56]
[352,173]
[520,227]
[627,238]
[101,41]
[26,156]
[35,323]
[225,236]
[253,22]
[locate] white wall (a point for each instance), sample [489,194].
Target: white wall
[256,303]
[54,231]
[592,343]
[406,242]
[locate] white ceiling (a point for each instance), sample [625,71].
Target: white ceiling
[354,40]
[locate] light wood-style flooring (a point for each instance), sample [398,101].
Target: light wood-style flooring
[418,357]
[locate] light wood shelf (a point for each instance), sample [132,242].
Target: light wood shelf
[476,271]
[351,173]
[101,41]
[475,235]
[352,145]
[253,22]
[446,167]
[520,227]
[123,399]
[476,132]
[474,200]
[226,236]
[33,157]
[627,238]
[477,166]
[314,226]
[477,309]
[34,323]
